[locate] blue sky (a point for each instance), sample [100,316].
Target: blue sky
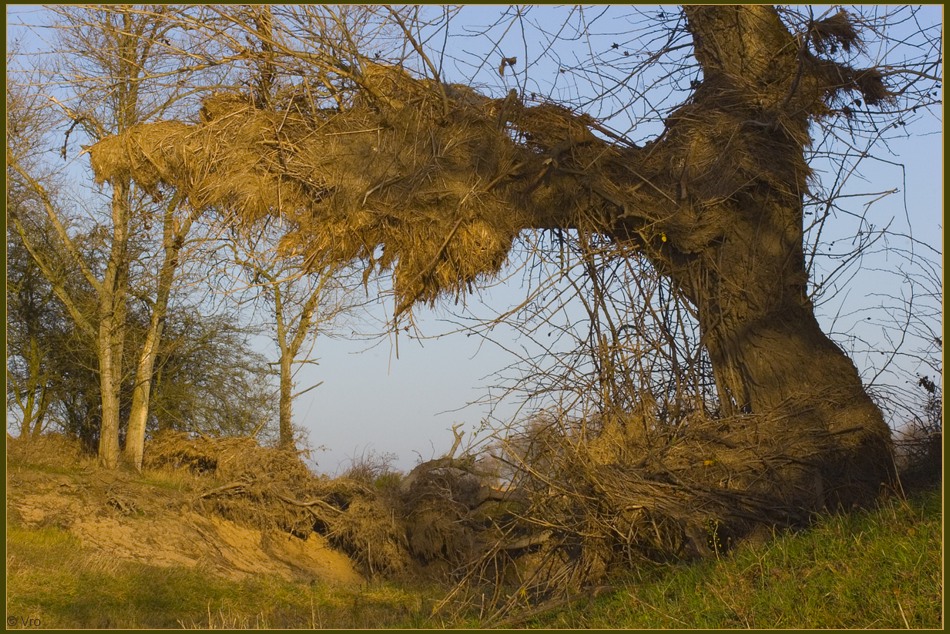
[373,401]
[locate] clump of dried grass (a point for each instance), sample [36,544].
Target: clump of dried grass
[372,533]
[48,450]
[252,485]
[413,176]
[228,457]
[836,30]
[442,499]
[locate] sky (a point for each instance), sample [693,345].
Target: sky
[401,407]
[374,401]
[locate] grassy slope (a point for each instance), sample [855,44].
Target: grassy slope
[880,569]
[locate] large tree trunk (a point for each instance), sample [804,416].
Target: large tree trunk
[736,250]
[783,367]
[771,358]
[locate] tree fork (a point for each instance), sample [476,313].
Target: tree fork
[715,203]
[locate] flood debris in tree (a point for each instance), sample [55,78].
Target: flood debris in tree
[435,182]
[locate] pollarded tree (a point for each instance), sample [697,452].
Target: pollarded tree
[435,181]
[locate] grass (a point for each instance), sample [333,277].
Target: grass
[878,569]
[51,578]
[54,581]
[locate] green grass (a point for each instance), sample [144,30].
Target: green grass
[877,569]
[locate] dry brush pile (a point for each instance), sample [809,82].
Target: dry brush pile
[583,499]
[427,523]
[593,497]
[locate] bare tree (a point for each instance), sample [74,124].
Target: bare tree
[32,310]
[371,154]
[300,306]
[117,67]
[302,303]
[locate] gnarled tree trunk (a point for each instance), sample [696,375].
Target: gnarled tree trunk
[770,356]
[715,203]
[749,282]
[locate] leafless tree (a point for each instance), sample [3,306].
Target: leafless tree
[673,173]
[302,303]
[115,67]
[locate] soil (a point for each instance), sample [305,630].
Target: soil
[153,519]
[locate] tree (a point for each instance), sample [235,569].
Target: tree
[119,67]
[301,304]
[175,229]
[436,181]
[206,378]
[32,312]
[209,380]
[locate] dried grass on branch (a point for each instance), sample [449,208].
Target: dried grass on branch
[412,175]
[436,181]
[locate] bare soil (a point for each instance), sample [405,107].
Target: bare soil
[154,518]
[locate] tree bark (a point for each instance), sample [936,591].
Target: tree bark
[768,351]
[285,408]
[111,338]
[286,440]
[172,240]
[771,358]
[292,329]
[37,394]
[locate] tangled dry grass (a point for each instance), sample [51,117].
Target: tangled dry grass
[584,498]
[269,488]
[414,175]
[435,181]
[604,495]
[425,526]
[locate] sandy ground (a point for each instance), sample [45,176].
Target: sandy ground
[125,519]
